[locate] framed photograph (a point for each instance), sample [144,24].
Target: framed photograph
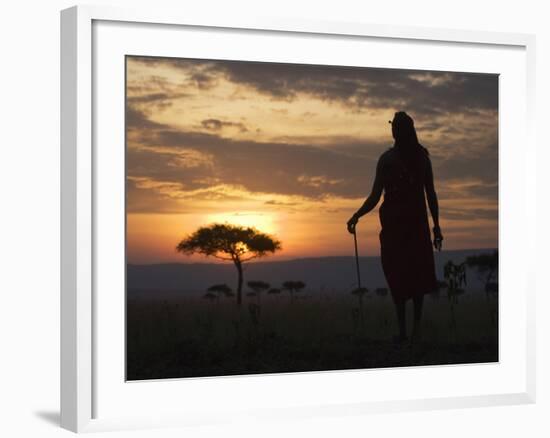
[281,218]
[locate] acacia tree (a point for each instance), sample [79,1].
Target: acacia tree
[221,289]
[486,266]
[293,287]
[232,243]
[455,277]
[258,287]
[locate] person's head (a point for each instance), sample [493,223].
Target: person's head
[402,128]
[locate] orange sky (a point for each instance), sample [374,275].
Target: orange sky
[292,149]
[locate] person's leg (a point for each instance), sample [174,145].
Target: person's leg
[418,303]
[401,321]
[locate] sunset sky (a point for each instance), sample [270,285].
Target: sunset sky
[291,149]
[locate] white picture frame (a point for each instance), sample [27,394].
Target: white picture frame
[79,251]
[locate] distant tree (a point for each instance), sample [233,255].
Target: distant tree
[381,291]
[258,287]
[293,287]
[360,291]
[455,276]
[221,289]
[231,243]
[486,266]
[274,291]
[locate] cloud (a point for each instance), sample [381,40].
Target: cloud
[456,115]
[358,88]
[203,80]
[318,181]
[280,203]
[137,120]
[143,199]
[152,101]
[197,162]
[218,125]
[451,213]
[283,168]
[370,88]
[483,168]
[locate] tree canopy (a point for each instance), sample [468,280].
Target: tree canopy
[221,289]
[258,286]
[294,286]
[233,243]
[229,242]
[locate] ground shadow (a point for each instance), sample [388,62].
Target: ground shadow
[52,417]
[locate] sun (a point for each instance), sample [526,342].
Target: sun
[261,221]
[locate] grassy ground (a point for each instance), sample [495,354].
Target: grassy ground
[191,336]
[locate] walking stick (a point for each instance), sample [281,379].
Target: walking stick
[357,259]
[360,290]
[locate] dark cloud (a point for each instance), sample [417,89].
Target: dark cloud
[344,168]
[280,203]
[450,213]
[369,88]
[203,80]
[259,167]
[159,100]
[202,74]
[427,93]
[488,191]
[482,166]
[137,121]
[217,125]
[282,168]
[459,110]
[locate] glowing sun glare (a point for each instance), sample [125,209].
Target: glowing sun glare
[261,221]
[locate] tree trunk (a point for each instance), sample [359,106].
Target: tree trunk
[239,266]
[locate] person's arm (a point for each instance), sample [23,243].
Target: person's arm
[433,205]
[372,199]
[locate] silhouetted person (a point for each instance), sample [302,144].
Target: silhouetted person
[404,173]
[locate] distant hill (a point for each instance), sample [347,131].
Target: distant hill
[328,273]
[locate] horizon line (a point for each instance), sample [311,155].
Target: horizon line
[296,258]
